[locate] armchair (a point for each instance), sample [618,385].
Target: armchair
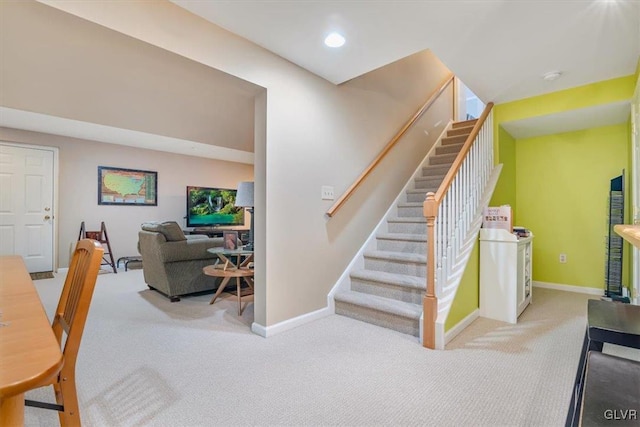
[172,262]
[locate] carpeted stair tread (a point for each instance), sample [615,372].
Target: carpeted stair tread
[402,236]
[427,186]
[402,280]
[449,148]
[409,204]
[433,188]
[452,140]
[462,130]
[431,179]
[435,170]
[407,218]
[424,191]
[464,123]
[397,256]
[374,302]
[440,159]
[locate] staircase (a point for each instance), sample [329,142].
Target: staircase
[388,287]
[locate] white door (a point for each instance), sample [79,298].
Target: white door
[26,205]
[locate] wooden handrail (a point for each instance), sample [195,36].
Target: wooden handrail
[434,96]
[448,178]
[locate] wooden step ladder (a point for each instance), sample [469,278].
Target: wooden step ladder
[102,237]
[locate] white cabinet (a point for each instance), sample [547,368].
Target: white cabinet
[505,274]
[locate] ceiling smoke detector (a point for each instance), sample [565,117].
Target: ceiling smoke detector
[552,75]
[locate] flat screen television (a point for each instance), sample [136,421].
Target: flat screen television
[212,207]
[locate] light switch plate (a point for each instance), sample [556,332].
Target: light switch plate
[327,192]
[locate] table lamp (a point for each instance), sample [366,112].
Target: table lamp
[244,199]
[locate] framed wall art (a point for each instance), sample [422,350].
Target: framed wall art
[118,186]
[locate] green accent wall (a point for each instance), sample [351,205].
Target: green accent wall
[558,186]
[563,188]
[467,297]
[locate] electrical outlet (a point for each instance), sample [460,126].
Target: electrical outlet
[563,258]
[326,192]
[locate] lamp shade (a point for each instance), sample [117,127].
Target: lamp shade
[244,196]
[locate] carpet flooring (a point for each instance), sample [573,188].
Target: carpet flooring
[147,362]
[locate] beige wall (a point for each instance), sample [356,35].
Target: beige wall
[57,64]
[78,187]
[315,134]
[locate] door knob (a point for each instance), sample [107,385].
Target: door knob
[47,209]
[47,217]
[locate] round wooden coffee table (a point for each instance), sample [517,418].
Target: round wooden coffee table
[226,268]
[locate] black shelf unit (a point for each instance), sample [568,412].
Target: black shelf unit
[613,266]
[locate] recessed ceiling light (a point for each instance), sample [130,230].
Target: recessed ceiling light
[334,40]
[552,75]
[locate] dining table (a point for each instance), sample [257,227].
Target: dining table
[30,355]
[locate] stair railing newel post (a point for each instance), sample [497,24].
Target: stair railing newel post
[430,301]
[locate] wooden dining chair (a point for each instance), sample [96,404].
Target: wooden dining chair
[69,319]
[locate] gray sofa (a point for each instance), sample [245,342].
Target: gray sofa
[172,262]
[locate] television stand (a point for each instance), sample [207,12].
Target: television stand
[243,233]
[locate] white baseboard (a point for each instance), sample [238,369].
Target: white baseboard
[569,288]
[453,332]
[268,331]
[62,270]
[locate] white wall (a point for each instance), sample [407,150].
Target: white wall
[315,134]
[78,187]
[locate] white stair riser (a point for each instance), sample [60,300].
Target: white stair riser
[400,293]
[386,320]
[402,246]
[397,267]
[407,227]
[410,211]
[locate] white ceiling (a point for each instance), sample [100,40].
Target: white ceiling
[499,48]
